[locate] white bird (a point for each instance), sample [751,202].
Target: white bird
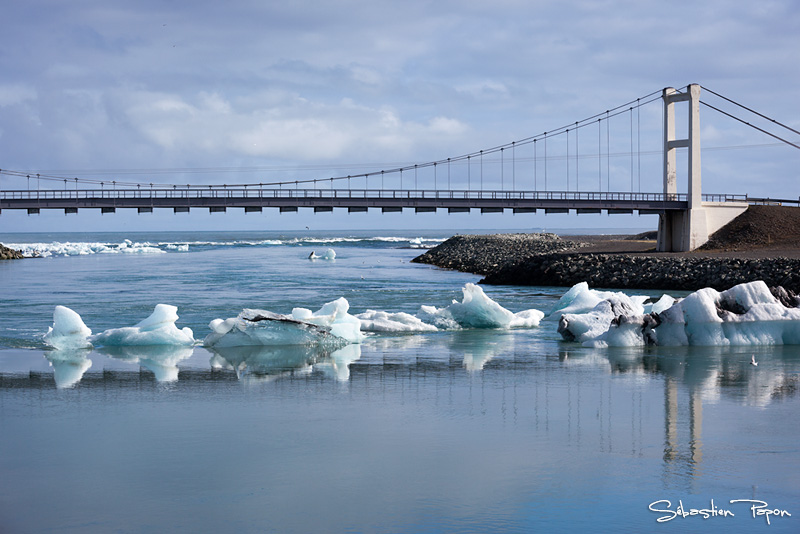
[753,360]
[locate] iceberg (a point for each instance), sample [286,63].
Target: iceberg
[329,254]
[381,321]
[68,330]
[477,310]
[331,326]
[158,329]
[746,314]
[581,299]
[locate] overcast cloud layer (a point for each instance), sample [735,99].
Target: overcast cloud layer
[108,86]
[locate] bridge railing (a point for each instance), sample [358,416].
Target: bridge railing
[256,192]
[259,192]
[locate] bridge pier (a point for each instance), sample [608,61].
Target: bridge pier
[682,231]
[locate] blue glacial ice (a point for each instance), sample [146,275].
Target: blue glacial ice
[68,330]
[158,329]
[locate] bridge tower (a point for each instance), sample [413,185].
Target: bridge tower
[680,231]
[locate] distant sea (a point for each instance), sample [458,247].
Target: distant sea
[451,431]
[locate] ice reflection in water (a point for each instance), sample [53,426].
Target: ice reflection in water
[68,365]
[270,362]
[162,360]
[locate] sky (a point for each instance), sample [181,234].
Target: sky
[202,92]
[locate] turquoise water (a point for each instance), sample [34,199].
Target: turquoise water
[468,431]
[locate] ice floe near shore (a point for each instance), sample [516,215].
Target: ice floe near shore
[746,314]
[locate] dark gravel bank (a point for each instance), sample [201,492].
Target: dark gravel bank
[761,244]
[622,271]
[483,254]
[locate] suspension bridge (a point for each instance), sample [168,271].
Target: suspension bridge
[686,219]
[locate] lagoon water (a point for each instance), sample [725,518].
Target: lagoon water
[460,431]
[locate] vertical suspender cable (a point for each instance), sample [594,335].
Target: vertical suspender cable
[502,170]
[545,161]
[513,166]
[631,113]
[577,177]
[639,144]
[535,165]
[567,159]
[599,158]
[608,151]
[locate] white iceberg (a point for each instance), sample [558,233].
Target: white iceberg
[68,330]
[616,310]
[329,254]
[477,310]
[581,299]
[381,321]
[331,326]
[746,314]
[158,329]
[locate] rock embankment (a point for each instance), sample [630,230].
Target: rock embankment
[483,254]
[622,271]
[9,253]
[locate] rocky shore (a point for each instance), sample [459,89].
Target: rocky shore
[9,253]
[762,244]
[621,271]
[484,254]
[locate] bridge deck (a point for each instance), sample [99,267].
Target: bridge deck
[355,199]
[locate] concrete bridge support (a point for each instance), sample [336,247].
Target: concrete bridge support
[687,230]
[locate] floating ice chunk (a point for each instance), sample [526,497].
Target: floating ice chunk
[68,330]
[68,366]
[334,316]
[477,310]
[441,318]
[747,314]
[380,321]
[663,304]
[331,326]
[329,254]
[158,329]
[526,319]
[581,299]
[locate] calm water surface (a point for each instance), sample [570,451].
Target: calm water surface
[468,431]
